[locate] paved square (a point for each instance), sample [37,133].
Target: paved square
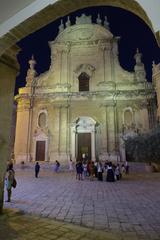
[130,207]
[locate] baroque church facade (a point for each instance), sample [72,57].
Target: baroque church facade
[85,103]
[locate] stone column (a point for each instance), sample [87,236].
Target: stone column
[63,131]
[104,62]
[61,67]
[57,65]
[55,142]
[8,72]
[111,128]
[69,66]
[23,129]
[73,143]
[108,73]
[93,145]
[64,65]
[116,128]
[104,132]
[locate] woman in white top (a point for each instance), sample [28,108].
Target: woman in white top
[100,171]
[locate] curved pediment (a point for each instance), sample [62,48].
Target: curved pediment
[84,32]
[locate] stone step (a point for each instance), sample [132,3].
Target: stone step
[134,167]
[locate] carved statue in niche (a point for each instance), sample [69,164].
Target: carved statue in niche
[129,127]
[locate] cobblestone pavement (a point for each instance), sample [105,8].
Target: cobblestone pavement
[126,209]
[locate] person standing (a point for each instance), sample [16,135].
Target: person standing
[110,173]
[85,172]
[100,171]
[117,172]
[83,157]
[92,170]
[37,169]
[56,166]
[96,168]
[9,182]
[123,170]
[71,165]
[10,166]
[127,167]
[79,170]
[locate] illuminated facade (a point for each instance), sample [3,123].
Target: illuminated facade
[85,102]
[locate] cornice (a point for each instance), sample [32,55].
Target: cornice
[94,95]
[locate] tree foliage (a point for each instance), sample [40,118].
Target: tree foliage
[144,147]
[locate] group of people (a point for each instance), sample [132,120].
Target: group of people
[90,169]
[84,169]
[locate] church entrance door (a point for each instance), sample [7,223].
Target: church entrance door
[40,150]
[84,145]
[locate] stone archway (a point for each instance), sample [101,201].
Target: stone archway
[9,66]
[60,9]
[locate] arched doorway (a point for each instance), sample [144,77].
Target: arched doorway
[83,137]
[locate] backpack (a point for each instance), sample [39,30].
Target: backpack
[14,184]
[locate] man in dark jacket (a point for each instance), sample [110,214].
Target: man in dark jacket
[37,169]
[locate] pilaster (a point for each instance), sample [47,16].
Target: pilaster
[64,65]
[108,72]
[111,127]
[61,151]
[23,125]
[93,141]
[73,143]
[104,131]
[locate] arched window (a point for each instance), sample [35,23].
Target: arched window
[42,120]
[83,82]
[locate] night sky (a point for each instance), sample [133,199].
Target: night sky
[133,31]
